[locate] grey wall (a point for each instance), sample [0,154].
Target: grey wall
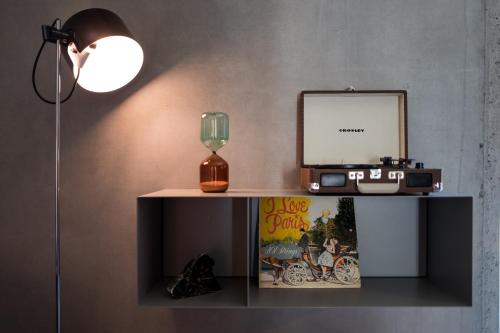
[491,190]
[249,59]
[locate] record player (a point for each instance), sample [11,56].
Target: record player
[356,142]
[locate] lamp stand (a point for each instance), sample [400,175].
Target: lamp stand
[57,234]
[83,30]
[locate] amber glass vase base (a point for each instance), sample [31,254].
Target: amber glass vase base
[214,174]
[214,186]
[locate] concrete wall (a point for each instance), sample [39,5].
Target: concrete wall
[249,59]
[491,184]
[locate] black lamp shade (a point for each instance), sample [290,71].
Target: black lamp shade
[103,52]
[92,24]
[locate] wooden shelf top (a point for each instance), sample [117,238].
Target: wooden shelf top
[256,193]
[231,193]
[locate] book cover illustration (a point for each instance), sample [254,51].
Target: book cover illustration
[307,243]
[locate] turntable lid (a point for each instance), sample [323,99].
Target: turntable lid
[357,127]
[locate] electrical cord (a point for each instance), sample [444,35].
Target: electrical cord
[33,75]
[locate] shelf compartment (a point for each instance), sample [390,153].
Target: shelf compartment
[172,231]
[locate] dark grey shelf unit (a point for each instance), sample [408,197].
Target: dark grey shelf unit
[174,225]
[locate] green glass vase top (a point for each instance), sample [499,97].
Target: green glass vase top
[214,130]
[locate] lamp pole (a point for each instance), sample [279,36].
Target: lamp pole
[57,183]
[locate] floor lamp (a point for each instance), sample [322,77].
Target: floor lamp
[104,57]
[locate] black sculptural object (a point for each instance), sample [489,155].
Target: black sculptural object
[197,278]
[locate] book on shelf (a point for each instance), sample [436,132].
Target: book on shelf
[308,243]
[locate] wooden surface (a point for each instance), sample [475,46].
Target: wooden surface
[255,193]
[231,193]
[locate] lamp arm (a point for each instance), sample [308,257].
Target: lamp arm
[52,34]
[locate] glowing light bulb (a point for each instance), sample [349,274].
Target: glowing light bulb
[107,64]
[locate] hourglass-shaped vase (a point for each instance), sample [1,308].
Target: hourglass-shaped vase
[214,171]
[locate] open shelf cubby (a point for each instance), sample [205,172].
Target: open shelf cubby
[414,250]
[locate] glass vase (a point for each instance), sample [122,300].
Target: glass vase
[214,174]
